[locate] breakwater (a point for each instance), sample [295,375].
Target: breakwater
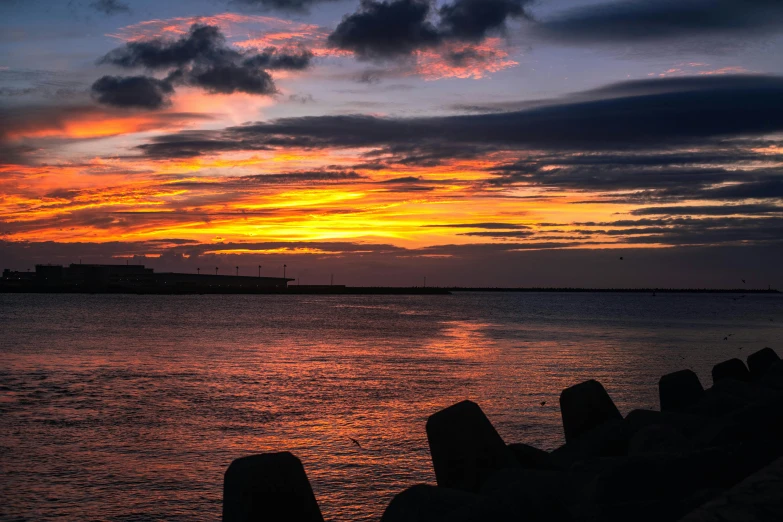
[707,454]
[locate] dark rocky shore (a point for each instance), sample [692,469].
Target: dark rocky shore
[707,455]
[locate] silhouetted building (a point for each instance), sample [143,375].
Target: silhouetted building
[51,274]
[130,278]
[98,277]
[15,275]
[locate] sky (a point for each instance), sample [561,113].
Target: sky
[471,142]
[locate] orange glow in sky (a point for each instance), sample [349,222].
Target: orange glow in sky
[88,172]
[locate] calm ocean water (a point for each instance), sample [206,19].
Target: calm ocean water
[131,407]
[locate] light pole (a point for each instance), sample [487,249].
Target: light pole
[198,271]
[216,269]
[237,271]
[259,271]
[284,267]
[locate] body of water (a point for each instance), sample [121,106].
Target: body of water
[116,407]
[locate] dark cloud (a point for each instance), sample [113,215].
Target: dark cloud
[640,21]
[505,106]
[704,232]
[473,20]
[406,179]
[282,5]
[303,98]
[679,231]
[301,177]
[386,29]
[229,78]
[486,226]
[666,221]
[189,144]
[132,91]
[467,56]
[500,234]
[697,113]
[427,155]
[203,44]
[682,84]
[390,29]
[711,210]
[654,176]
[670,182]
[203,59]
[733,185]
[764,189]
[274,59]
[110,7]
[729,154]
[290,178]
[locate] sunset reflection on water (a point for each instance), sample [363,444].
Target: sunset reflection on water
[117,407]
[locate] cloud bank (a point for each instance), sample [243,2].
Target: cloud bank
[660,20]
[639,115]
[391,29]
[202,59]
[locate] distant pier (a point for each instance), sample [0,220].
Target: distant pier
[138,279]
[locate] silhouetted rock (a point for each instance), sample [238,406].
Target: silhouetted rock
[743,390]
[773,377]
[657,439]
[271,487]
[731,369]
[653,510]
[539,487]
[534,458]
[679,390]
[668,484]
[717,403]
[758,498]
[762,418]
[725,466]
[607,440]
[729,395]
[761,361]
[685,423]
[425,503]
[585,407]
[534,494]
[465,447]
[654,484]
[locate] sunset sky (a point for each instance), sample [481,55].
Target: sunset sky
[472,142]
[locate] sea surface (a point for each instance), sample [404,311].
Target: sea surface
[116,407]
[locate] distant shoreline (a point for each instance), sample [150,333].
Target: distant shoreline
[140,280]
[626,290]
[367,290]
